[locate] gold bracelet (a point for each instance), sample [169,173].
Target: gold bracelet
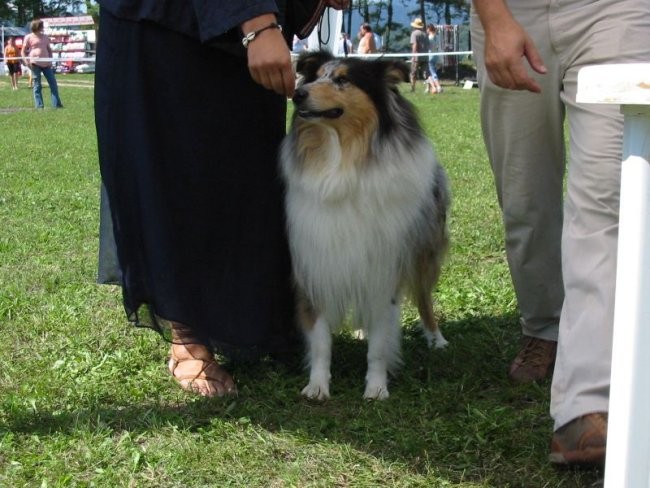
[248,38]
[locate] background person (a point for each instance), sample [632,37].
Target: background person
[561,251]
[11,55]
[432,79]
[366,40]
[419,45]
[344,45]
[37,51]
[195,197]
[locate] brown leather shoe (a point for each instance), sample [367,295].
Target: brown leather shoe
[581,442]
[534,362]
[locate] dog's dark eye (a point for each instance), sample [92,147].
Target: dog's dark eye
[340,80]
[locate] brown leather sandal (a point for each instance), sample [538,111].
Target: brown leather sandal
[195,369]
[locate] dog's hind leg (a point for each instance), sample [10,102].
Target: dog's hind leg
[429,323]
[427,277]
[384,345]
[319,355]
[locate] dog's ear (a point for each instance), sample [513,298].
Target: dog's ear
[395,72]
[309,62]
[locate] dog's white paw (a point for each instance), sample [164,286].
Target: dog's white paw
[316,391]
[440,342]
[376,392]
[435,339]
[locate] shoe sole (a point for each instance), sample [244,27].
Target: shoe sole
[588,457]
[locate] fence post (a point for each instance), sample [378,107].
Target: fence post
[628,435]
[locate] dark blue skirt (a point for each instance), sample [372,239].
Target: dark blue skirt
[188,148]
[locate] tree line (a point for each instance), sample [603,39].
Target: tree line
[378,13]
[21,12]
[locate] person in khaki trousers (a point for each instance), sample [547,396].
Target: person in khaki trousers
[561,248]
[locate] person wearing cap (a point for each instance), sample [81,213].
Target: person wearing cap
[419,44]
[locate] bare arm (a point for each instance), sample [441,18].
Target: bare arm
[506,46]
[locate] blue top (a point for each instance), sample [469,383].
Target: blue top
[201,19]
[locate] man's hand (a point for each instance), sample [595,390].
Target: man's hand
[505,51]
[507,44]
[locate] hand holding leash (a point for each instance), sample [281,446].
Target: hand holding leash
[269,59]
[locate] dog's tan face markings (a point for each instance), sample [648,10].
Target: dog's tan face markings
[332,89]
[359,120]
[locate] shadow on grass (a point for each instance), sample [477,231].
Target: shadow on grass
[452,413]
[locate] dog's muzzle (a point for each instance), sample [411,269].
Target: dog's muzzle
[333,113]
[299,99]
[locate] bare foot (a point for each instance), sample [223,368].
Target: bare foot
[195,369]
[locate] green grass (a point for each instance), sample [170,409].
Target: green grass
[85,399]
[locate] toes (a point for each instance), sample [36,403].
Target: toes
[195,369]
[219,381]
[209,387]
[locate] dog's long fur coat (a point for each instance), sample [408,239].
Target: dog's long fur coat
[367,205]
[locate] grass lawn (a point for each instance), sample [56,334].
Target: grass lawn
[85,399]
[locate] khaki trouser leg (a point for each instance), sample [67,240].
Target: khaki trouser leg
[616,31]
[523,134]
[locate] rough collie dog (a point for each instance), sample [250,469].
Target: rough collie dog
[366,209]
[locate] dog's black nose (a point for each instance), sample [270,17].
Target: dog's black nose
[299,96]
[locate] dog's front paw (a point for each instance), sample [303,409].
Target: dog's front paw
[376,392]
[316,391]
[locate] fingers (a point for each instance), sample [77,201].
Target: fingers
[521,80]
[278,78]
[506,63]
[514,77]
[534,58]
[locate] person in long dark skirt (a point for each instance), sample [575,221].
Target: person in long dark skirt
[188,125]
